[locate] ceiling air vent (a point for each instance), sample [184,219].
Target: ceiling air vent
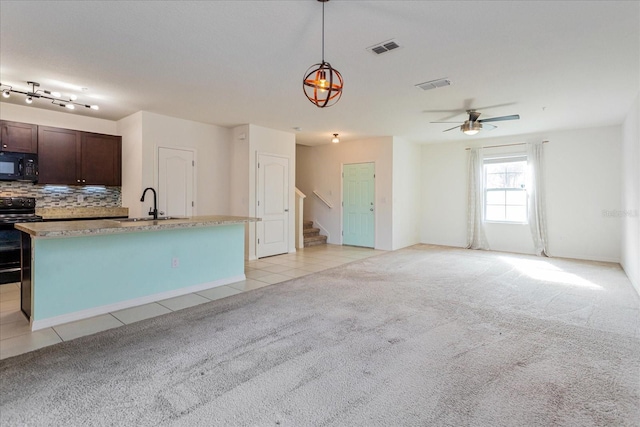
[384,47]
[434,84]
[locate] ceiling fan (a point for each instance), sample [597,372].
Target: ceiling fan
[472,126]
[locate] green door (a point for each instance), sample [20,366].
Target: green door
[358,205]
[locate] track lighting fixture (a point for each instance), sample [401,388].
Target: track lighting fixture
[322,84]
[335,138]
[56,98]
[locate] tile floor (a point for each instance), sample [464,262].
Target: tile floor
[17,338]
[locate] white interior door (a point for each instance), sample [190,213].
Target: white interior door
[175,181]
[272,205]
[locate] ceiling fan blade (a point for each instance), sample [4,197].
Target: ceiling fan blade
[455,127]
[500,119]
[488,126]
[492,106]
[447,122]
[444,111]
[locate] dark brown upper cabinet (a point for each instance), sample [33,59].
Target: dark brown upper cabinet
[101,159]
[69,157]
[18,137]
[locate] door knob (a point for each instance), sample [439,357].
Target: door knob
[286,210]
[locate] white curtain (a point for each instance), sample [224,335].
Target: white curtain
[537,217]
[476,238]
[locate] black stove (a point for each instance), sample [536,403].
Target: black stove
[12,211]
[18,209]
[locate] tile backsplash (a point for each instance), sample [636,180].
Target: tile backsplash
[63,196]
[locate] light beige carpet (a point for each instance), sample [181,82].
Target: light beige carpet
[426,336]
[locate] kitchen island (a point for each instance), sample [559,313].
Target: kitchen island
[78,269]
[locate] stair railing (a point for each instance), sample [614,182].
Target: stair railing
[300,196]
[319,196]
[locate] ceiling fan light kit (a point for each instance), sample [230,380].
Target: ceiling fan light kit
[335,138]
[322,84]
[56,98]
[471,128]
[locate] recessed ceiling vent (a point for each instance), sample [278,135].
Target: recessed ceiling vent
[384,47]
[434,84]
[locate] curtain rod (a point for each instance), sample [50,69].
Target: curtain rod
[505,145]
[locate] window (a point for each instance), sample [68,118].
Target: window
[505,190]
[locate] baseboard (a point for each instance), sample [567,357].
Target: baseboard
[104,309]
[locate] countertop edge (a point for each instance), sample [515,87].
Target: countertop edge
[107,226]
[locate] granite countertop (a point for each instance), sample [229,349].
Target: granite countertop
[109,226]
[77,212]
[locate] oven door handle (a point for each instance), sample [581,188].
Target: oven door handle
[20,167]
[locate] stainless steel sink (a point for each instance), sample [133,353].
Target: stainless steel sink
[146,218]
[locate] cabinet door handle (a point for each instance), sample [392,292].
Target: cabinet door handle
[84,180]
[4,145]
[78,180]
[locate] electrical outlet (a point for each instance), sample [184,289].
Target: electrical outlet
[80,198]
[175,263]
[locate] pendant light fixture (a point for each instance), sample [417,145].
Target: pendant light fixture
[55,97]
[322,84]
[335,138]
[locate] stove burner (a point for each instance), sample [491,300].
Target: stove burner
[18,209]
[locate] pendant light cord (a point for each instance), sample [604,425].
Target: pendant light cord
[323,32]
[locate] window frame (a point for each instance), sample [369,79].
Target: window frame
[501,159]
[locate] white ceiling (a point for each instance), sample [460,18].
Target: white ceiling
[558,64]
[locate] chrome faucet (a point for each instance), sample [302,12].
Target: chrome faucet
[153,212]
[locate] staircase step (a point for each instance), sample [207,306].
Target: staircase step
[308,232]
[314,240]
[307,224]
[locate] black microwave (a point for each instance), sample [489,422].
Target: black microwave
[18,167]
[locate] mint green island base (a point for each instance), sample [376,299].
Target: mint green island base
[81,274]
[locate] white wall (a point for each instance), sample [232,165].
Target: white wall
[212,147]
[39,116]
[582,181]
[444,194]
[130,128]
[239,161]
[320,168]
[248,142]
[630,206]
[407,194]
